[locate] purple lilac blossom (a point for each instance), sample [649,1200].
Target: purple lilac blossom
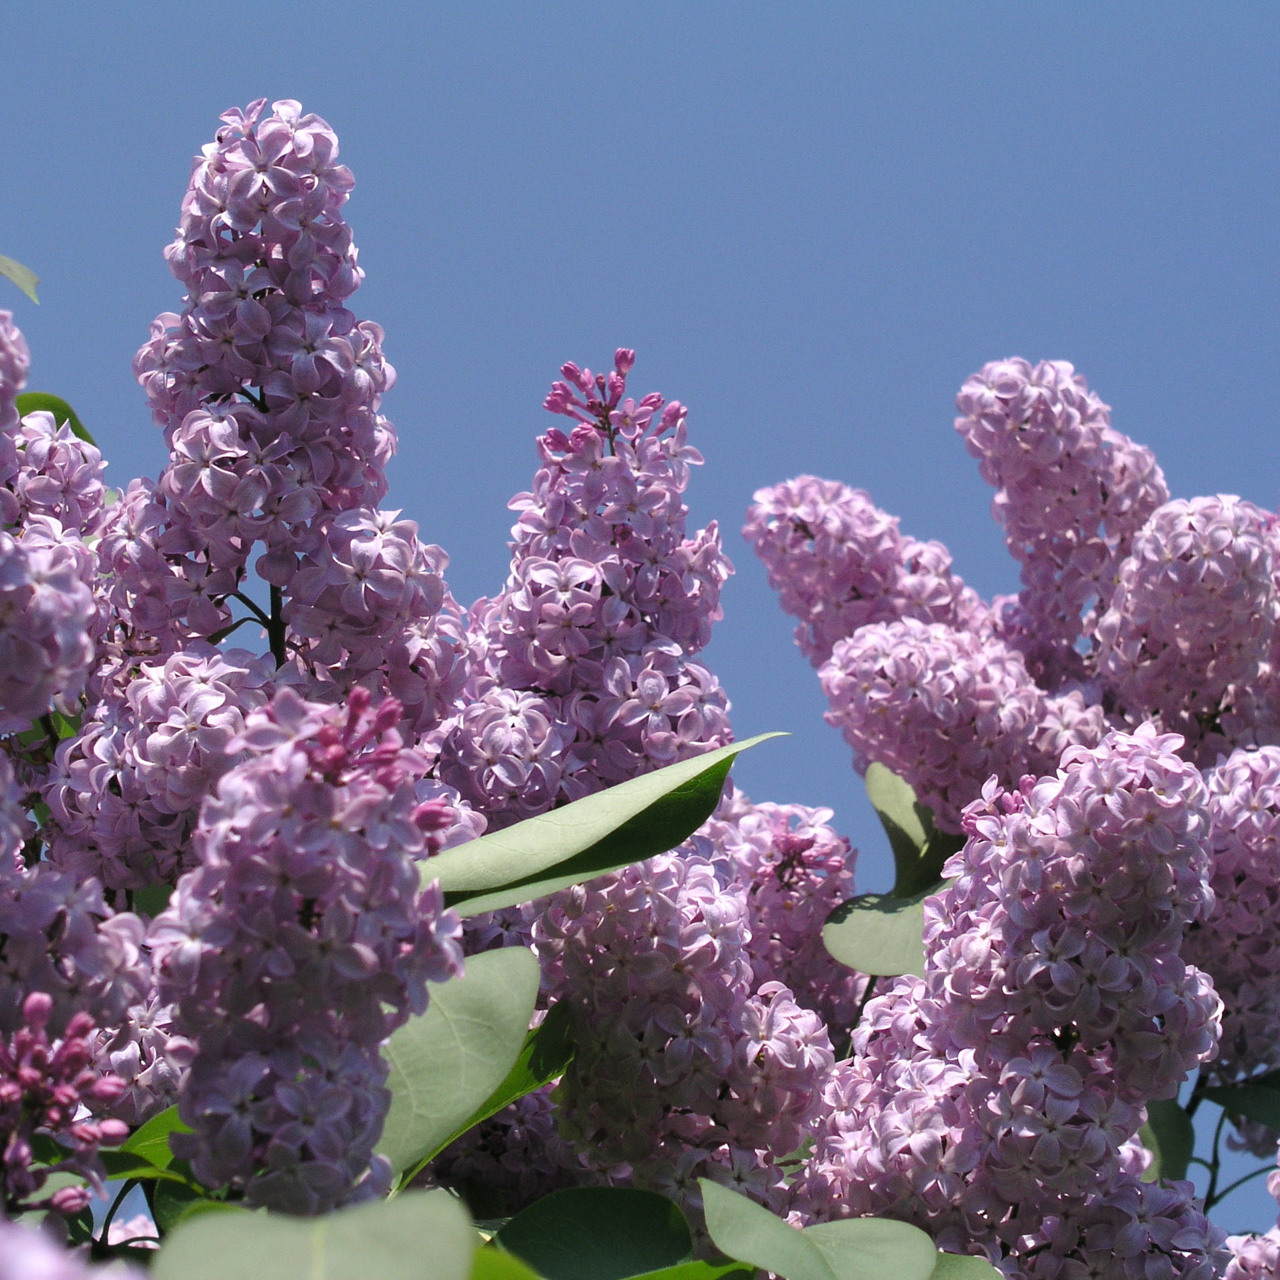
[995,1101]
[839,563]
[944,709]
[685,1066]
[582,675]
[1193,613]
[1071,493]
[300,942]
[268,388]
[126,791]
[28,1253]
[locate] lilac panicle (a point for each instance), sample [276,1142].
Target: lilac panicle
[840,563]
[299,943]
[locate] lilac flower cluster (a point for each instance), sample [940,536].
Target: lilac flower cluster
[266,385]
[299,943]
[51,497]
[996,1100]
[1071,492]
[582,677]
[839,563]
[685,1066]
[125,792]
[1238,946]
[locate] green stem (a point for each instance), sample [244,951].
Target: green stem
[275,628]
[254,607]
[128,1186]
[1211,1196]
[1239,1182]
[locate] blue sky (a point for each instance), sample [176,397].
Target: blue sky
[812,221]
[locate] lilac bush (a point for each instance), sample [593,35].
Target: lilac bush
[242,715]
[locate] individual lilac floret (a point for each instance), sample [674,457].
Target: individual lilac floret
[996,1100]
[44,1082]
[1193,612]
[28,1253]
[684,1066]
[1254,1257]
[944,709]
[838,563]
[1238,947]
[125,793]
[1071,493]
[300,943]
[267,386]
[582,675]
[54,474]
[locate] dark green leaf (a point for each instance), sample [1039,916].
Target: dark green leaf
[422,1235]
[956,1266]
[446,1063]
[731,1270]
[1171,1139]
[23,277]
[32,401]
[153,899]
[1257,1099]
[174,1202]
[919,848]
[878,934]
[851,1249]
[598,1233]
[151,1141]
[123,1165]
[588,838]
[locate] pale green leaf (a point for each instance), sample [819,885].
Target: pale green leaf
[878,934]
[23,277]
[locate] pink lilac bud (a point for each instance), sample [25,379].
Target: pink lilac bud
[840,563]
[1193,612]
[298,945]
[1071,493]
[44,1082]
[943,709]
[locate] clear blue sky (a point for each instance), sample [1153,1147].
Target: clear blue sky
[812,221]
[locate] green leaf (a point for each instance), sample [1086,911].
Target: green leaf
[598,1233]
[125,1164]
[33,401]
[919,848]
[547,1051]
[151,1140]
[1170,1137]
[588,838]
[23,277]
[956,1266]
[418,1236]
[851,1249]
[153,899]
[447,1062]
[173,1203]
[493,1264]
[732,1269]
[879,934]
[1256,1099]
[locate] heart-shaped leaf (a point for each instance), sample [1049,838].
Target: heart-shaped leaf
[851,1249]
[919,848]
[878,934]
[598,1233]
[588,838]
[446,1063]
[423,1235]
